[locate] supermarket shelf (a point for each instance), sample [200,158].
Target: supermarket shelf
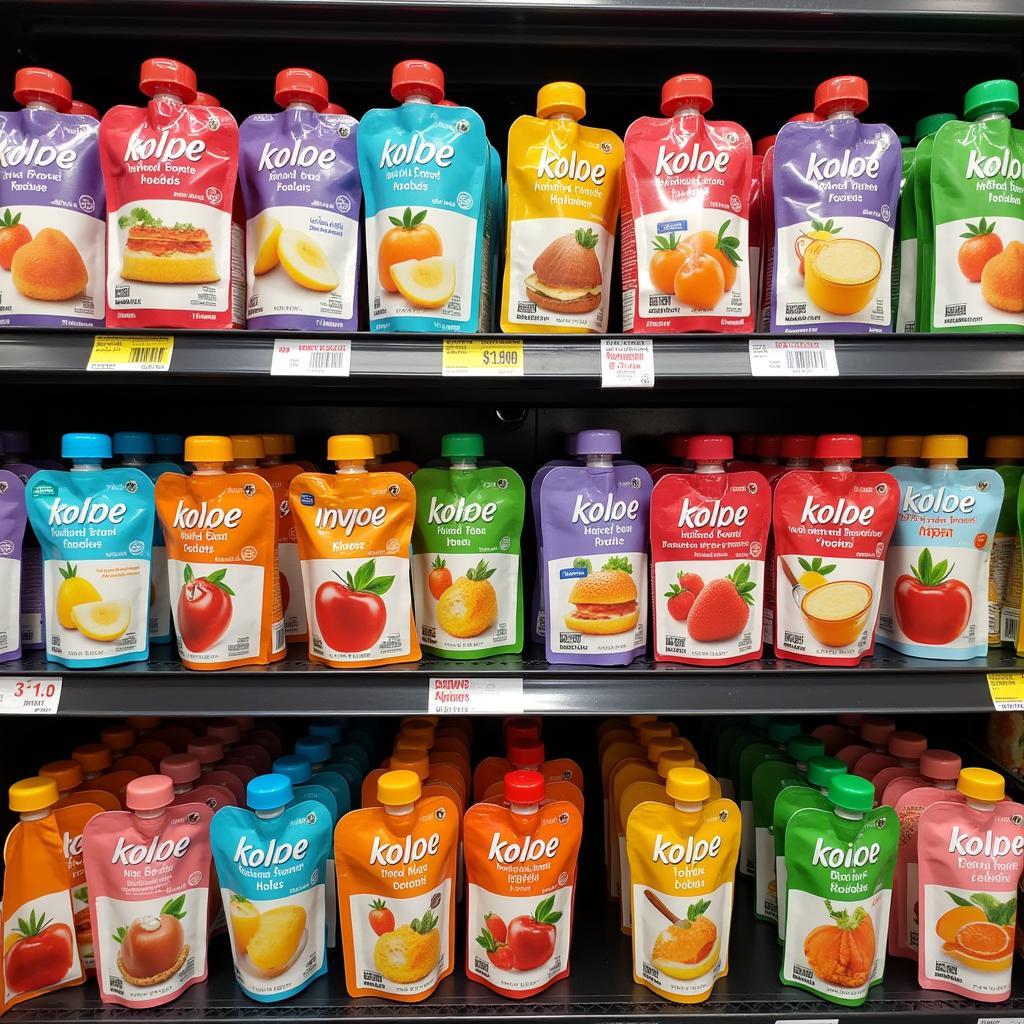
[887,682]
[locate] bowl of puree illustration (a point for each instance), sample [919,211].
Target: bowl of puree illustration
[841,274]
[836,613]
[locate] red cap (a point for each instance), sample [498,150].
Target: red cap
[417,78]
[181,768]
[526,752]
[679,445]
[877,730]
[522,787]
[906,744]
[807,118]
[850,719]
[837,447]
[521,730]
[300,85]
[447,103]
[942,765]
[846,92]
[224,730]
[709,448]
[81,107]
[334,108]
[161,74]
[763,144]
[797,446]
[768,446]
[686,91]
[149,793]
[44,86]
[208,749]
[745,444]
[206,99]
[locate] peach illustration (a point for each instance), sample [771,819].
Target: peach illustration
[49,268]
[1002,279]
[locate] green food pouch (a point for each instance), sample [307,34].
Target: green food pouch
[839,865]
[1004,579]
[466,570]
[922,182]
[769,779]
[728,738]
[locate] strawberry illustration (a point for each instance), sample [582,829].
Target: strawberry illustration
[499,953]
[692,582]
[679,602]
[722,608]
[496,926]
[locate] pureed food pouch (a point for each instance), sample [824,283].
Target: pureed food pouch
[563,189]
[170,169]
[396,891]
[95,527]
[353,529]
[832,527]
[300,182]
[51,194]
[467,570]
[685,213]
[13,518]
[1005,453]
[594,521]
[682,864]
[934,601]
[836,185]
[221,535]
[709,531]
[424,175]
[520,887]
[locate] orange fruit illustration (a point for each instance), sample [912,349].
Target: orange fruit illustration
[1002,279]
[984,939]
[13,235]
[981,245]
[669,256]
[409,239]
[953,920]
[700,282]
[717,246]
[49,268]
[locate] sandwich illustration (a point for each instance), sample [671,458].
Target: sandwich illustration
[154,252]
[606,602]
[566,276]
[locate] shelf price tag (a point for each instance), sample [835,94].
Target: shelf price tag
[1006,690]
[477,358]
[295,358]
[477,695]
[30,695]
[792,357]
[627,363]
[131,352]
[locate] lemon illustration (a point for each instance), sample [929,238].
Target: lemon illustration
[102,620]
[470,605]
[268,231]
[74,590]
[276,939]
[428,283]
[811,580]
[305,262]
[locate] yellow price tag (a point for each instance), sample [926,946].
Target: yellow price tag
[1006,690]
[131,352]
[475,358]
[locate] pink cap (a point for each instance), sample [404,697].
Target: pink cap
[808,118]
[149,793]
[908,745]
[223,730]
[837,447]
[678,445]
[81,107]
[877,730]
[334,108]
[206,99]
[709,448]
[941,765]
[845,92]
[300,85]
[763,144]
[525,753]
[768,446]
[162,74]
[417,78]
[181,768]
[798,446]
[686,91]
[208,749]
[41,85]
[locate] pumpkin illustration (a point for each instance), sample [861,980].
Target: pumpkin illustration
[842,953]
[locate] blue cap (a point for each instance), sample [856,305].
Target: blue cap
[314,748]
[133,442]
[168,444]
[329,731]
[268,792]
[295,766]
[86,447]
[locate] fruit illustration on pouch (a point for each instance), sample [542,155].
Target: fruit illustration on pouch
[278,940]
[204,609]
[245,920]
[842,953]
[930,607]
[669,256]
[979,931]
[428,283]
[681,595]
[153,946]
[305,262]
[105,621]
[74,590]
[469,606]
[409,240]
[814,572]
[821,231]
[498,952]
[496,926]
[351,613]
[567,275]
[13,235]
[440,577]
[724,248]
[381,918]
[37,953]
[721,610]
[409,952]
[1002,279]
[700,281]
[529,940]
[982,243]
[689,946]
[49,268]
[268,231]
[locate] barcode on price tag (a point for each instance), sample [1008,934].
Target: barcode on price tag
[465,358]
[1001,1020]
[777,357]
[461,695]
[130,352]
[627,363]
[293,358]
[30,695]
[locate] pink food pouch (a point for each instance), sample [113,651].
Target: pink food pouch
[905,750]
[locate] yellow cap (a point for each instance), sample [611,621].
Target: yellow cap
[944,446]
[561,98]
[118,737]
[635,721]
[412,760]
[289,444]
[35,794]
[397,788]
[273,444]
[981,784]
[872,447]
[1005,446]
[208,448]
[66,774]
[349,448]
[381,444]
[649,730]
[660,744]
[248,446]
[675,758]
[688,785]
[903,446]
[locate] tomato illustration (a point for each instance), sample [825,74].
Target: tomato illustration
[204,609]
[440,578]
[496,926]
[381,919]
[931,608]
[351,614]
[40,956]
[532,938]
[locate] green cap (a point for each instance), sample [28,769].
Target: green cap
[998,96]
[779,730]
[852,793]
[821,770]
[905,140]
[930,125]
[803,748]
[462,446]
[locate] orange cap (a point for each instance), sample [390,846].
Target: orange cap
[118,737]
[35,794]
[93,757]
[662,744]
[41,85]
[273,444]
[350,448]
[247,447]
[650,730]
[300,85]
[844,92]
[397,788]
[1005,446]
[417,78]
[872,446]
[410,759]
[675,758]
[562,98]
[162,74]
[67,774]
[903,446]
[686,91]
[212,448]
[381,444]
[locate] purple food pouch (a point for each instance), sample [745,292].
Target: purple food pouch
[13,444]
[51,195]
[12,534]
[593,521]
[300,182]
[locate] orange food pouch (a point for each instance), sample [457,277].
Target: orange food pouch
[221,534]
[396,891]
[71,819]
[527,755]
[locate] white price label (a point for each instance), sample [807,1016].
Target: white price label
[793,358]
[295,358]
[30,695]
[810,1020]
[1001,1020]
[627,363]
[460,695]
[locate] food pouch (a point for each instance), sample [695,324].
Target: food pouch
[831,529]
[836,186]
[971,859]
[682,865]
[1006,455]
[170,169]
[51,263]
[12,535]
[524,755]
[563,189]
[685,213]
[839,865]
[221,535]
[520,887]
[709,531]
[271,862]
[594,519]
[396,891]
[95,528]
[977,224]
[467,571]
[934,600]
[300,182]
[353,529]
[31,554]
[424,173]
